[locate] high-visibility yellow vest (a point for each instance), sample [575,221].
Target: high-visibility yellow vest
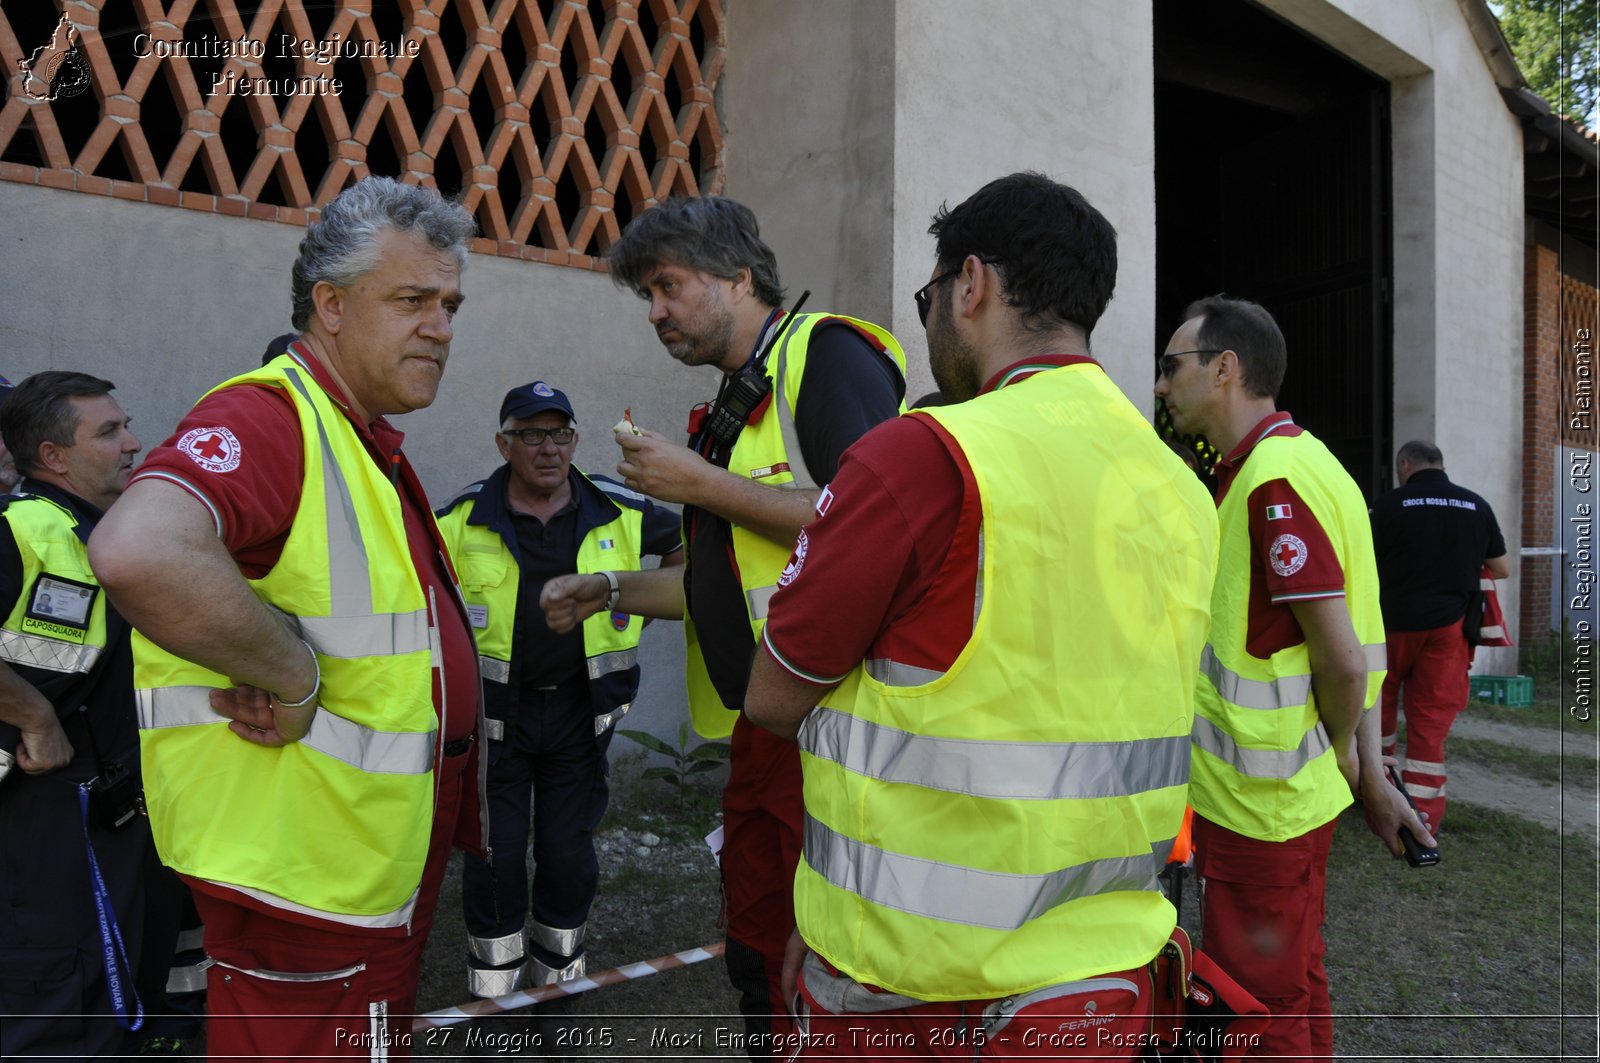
[71,637]
[337,824]
[490,580]
[1263,766]
[998,827]
[768,452]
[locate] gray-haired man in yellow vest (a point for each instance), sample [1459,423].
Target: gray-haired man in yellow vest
[1283,730]
[985,643]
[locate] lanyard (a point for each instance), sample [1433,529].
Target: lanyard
[111,950]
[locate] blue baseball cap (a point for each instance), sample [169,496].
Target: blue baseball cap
[537,397]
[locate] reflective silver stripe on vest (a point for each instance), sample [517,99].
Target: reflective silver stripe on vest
[348,588]
[390,752]
[616,661]
[1235,689]
[496,951]
[758,600]
[559,941]
[1260,763]
[605,719]
[894,674]
[781,404]
[369,635]
[968,896]
[1012,771]
[1286,691]
[52,655]
[401,916]
[493,670]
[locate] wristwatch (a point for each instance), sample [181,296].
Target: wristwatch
[615,594]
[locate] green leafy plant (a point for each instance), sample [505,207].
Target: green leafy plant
[686,760]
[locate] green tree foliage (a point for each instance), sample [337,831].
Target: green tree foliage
[1555,44]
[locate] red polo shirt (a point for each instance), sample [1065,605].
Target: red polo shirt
[1291,558]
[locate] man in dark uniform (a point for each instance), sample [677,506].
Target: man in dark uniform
[66,703]
[796,391]
[1433,540]
[551,700]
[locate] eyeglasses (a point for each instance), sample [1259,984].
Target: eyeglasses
[535,437]
[1167,364]
[921,294]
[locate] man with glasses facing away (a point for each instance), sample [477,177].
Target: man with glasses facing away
[552,700]
[756,467]
[1284,732]
[995,733]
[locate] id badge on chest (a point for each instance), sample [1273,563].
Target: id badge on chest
[59,608]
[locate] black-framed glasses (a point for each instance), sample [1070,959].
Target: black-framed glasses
[1167,364]
[535,437]
[921,294]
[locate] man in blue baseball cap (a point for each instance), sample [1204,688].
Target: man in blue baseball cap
[551,700]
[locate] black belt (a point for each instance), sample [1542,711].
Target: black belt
[459,746]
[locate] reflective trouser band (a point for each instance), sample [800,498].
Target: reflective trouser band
[604,720]
[1284,692]
[616,661]
[494,729]
[559,941]
[373,635]
[381,752]
[1012,771]
[51,655]
[540,973]
[495,671]
[191,979]
[759,599]
[1491,631]
[496,951]
[490,984]
[192,938]
[401,916]
[1260,763]
[950,893]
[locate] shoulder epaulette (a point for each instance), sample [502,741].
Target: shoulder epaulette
[465,494]
[623,494]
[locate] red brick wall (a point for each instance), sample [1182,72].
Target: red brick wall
[1556,307]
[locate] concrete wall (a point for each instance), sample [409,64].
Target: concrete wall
[168,302]
[1458,219]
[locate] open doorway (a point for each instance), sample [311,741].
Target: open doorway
[1272,184]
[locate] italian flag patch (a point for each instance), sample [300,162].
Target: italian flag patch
[1279,513]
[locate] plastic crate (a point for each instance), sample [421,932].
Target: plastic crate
[1513,691]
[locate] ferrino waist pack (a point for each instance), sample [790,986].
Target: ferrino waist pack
[1197,1011]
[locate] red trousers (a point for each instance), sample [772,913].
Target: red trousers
[1428,672]
[1261,910]
[1106,1017]
[762,817]
[288,990]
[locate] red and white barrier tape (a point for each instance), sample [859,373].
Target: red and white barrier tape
[527,997]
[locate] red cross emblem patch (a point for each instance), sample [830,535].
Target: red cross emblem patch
[213,449]
[1288,554]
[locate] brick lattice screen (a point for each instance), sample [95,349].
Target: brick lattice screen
[556,120]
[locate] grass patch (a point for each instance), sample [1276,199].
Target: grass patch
[1545,713]
[1541,767]
[1472,958]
